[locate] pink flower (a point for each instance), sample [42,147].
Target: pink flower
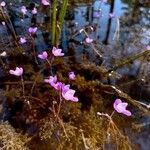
[34,11]
[22,40]
[17,72]
[3,23]
[65,88]
[71,75]
[88,40]
[3,54]
[148,47]
[23,10]
[32,30]
[111,15]
[45,2]
[43,56]
[3,4]
[52,80]
[120,107]
[57,52]
[58,85]
[68,94]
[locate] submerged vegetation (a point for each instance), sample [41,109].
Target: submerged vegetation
[53,97]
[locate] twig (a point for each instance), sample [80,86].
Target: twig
[128,60]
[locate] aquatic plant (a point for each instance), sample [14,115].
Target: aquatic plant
[60,97]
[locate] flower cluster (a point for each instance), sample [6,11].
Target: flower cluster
[66,92]
[55,51]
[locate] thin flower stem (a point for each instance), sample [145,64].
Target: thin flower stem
[35,81]
[79,32]
[61,123]
[112,114]
[50,64]
[85,33]
[22,81]
[53,110]
[84,140]
[92,45]
[34,52]
[60,102]
[111,122]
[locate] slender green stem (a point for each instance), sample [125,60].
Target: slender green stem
[61,19]
[54,23]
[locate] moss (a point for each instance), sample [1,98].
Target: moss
[10,139]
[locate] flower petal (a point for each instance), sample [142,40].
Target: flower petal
[127,113]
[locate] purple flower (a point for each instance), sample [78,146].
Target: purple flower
[3,4]
[57,52]
[148,47]
[43,56]
[65,88]
[45,2]
[23,10]
[34,11]
[53,82]
[3,23]
[68,94]
[71,75]
[3,54]
[58,85]
[120,107]
[17,72]
[112,15]
[22,40]
[51,79]
[32,30]
[88,40]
